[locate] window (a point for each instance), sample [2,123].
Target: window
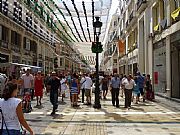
[61,62]
[115,61]
[28,20]
[177,3]
[20,14]
[5,7]
[0,5]
[4,35]
[155,15]
[15,13]
[33,46]
[26,44]
[41,31]
[163,9]
[15,38]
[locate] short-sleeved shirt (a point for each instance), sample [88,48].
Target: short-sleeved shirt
[88,83]
[140,80]
[9,111]
[63,84]
[115,82]
[129,85]
[55,84]
[82,82]
[27,81]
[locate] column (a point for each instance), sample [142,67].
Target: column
[168,66]
[126,66]
[146,37]
[141,53]
[168,14]
[151,57]
[21,49]
[9,41]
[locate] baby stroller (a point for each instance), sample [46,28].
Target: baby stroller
[27,102]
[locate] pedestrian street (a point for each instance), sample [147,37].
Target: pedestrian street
[150,118]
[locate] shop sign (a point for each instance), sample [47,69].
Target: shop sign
[155,77]
[4,58]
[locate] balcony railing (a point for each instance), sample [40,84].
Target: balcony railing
[140,2]
[15,48]
[40,56]
[131,16]
[4,44]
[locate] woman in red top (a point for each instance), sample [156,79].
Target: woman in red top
[38,86]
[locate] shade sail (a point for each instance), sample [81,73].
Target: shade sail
[80,19]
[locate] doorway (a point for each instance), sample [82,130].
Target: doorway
[175,72]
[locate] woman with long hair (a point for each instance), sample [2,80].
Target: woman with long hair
[12,112]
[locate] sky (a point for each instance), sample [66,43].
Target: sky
[114,6]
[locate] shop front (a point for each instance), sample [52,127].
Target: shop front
[159,66]
[175,64]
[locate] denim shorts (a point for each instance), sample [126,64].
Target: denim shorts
[11,132]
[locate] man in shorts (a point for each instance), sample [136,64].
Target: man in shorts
[27,83]
[87,86]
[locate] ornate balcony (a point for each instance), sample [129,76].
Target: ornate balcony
[4,44]
[131,21]
[15,48]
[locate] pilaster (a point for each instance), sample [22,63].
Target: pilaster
[168,66]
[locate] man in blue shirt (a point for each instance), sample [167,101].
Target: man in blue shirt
[140,80]
[115,86]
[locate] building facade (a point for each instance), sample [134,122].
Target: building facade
[149,42]
[28,35]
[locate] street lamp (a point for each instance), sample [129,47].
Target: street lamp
[97,48]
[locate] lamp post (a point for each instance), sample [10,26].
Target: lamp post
[97,48]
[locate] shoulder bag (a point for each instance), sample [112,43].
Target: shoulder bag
[3,123]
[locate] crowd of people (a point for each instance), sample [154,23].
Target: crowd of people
[79,87]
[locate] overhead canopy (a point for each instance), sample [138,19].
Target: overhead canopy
[78,17]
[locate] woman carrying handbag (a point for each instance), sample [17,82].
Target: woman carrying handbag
[11,112]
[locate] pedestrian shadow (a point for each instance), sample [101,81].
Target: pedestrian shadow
[137,108]
[116,117]
[57,116]
[39,107]
[62,103]
[106,99]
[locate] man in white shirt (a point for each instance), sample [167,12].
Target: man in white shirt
[27,82]
[82,82]
[87,85]
[128,85]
